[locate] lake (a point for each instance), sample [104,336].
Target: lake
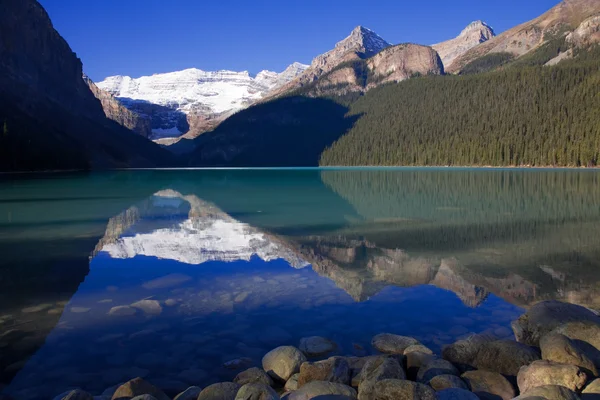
[190,276]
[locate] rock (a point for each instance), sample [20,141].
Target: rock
[256,391]
[292,383]
[551,392]
[415,360]
[443,382]
[417,347]
[334,369]
[434,368]
[544,317]
[238,363]
[505,356]
[584,333]
[322,390]
[220,391]
[36,309]
[144,397]
[137,387]
[544,373]
[560,349]
[190,393]
[315,346]
[463,352]
[78,394]
[375,370]
[489,385]
[388,343]
[150,307]
[122,311]
[254,375]
[592,391]
[283,362]
[456,394]
[394,389]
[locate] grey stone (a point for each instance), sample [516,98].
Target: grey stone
[435,368]
[320,390]
[378,369]
[314,346]
[489,385]
[415,360]
[551,392]
[559,348]
[281,363]
[544,373]
[505,356]
[462,353]
[220,391]
[442,382]
[137,387]
[256,391]
[417,347]
[292,383]
[388,343]
[253,375]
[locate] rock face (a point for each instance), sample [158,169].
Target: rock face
[475,33]
[48,106]
[524,38]
[189,101]
[542,373]
[114,110]
[587,33]
[281,363]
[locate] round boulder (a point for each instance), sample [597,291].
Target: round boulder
[489,385]
[334,369]
[137,387]
[443,382]
[292,383]
[415,360]
[321,389]
[551,392]
[253,375]
[462,353]
[220,391]
[505,357]
[417,347]
[434,368]
[593,388]
[456,394]
[545,316]
[375,370]
[315,346]
[283,362]
[256,391]
[394,389]
[559,348]
[544,373]
[388,343]
[587,332]
[190,393]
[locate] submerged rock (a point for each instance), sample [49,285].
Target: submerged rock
[334,369]
[137,387]
[489,385]
[388,343]
[544,317]
[220,391]
[505,356]
[543,373]
[394,389]
[417,347]
[321,389]
[314,346]
[253,375]
[256,391]
[281,363]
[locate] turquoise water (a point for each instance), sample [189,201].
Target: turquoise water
[171,275]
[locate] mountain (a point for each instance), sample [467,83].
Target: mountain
[360,44]
[528,37]
[50,118]
[193,101]
[475,33]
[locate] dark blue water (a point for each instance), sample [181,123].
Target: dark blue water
[170,275]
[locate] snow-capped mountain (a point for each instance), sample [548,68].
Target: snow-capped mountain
[193,92]
[475,33]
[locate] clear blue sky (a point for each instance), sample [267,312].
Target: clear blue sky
[142,37]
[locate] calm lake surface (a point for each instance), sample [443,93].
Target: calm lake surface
[189,277]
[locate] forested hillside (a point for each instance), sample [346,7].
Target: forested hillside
[519,115]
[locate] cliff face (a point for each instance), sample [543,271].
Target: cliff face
[476,33]
[587,33]
[117,112]
[522,39]
[51,119]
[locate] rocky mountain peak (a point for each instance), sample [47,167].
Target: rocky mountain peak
[363,40]
[475,33]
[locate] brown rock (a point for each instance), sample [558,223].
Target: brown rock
[376,370]
[435,368]
[334,369]
[417,347]
[394,389]
[220,391]
[560,349]
[253,375]
[392,344]
[442,382]
[489,385]
[463,352]
[544,373]
[292,383]
[190,393]
[283,362]
[505,356]
[592,391]
[318,389]
[550,392]
[256,391]
[137,387]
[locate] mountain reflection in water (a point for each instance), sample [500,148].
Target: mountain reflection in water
[222,266]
